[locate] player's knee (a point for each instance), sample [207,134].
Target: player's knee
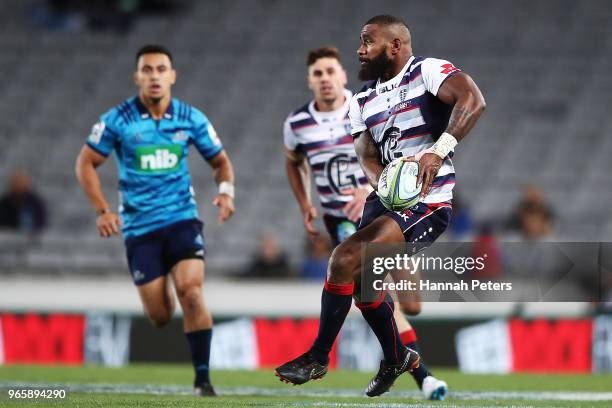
[345,262]
[411,308]
[190,298]
[159,318]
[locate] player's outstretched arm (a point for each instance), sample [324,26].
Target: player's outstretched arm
[369,157]
[107,222]
[298,174]
[223,172]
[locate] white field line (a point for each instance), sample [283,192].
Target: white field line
[312,392]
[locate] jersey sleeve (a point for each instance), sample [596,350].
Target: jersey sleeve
[289,138]
[103,136]
[435,71]
[205,137]
[355,116]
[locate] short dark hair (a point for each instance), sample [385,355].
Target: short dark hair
[323,52]
[386,19]
[153,49]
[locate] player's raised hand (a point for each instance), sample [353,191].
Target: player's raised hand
[108,223]
[310,214]
[354,208]
[226,207]
[429,165]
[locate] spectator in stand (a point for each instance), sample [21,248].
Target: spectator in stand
[533,216]
[21,208]
[536,262]
[315,265]
[269,261]
[535,222]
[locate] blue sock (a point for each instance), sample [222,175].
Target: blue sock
[421,372]
[336,302]
[379,316]
[199,343]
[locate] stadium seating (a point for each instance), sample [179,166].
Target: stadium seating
[544,68]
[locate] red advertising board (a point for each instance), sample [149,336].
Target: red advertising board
[50,339]
[284,339]
[551,346]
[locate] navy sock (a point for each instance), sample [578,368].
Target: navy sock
[421,372]
[379,316]
[336,302]
[199,343]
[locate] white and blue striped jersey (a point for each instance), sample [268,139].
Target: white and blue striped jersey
[404,116]
[324,138]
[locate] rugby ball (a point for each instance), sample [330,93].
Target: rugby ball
[397,187]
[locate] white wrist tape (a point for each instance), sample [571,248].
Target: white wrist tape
[225,187]
[445,144]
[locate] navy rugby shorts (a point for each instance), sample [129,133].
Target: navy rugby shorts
[421,224]
[153,254]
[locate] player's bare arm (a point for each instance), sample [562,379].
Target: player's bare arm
[461,91]
[223,173]
[107,222]
[369,157]
[468,104]
[298,174]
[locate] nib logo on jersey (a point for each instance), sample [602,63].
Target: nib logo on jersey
[158,159]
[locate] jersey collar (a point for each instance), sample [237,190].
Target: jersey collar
[334,115]
[394,82]
[145,114]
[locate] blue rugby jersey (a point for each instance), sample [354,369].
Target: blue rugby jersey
[154,183]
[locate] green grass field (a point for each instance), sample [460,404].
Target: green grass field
[168,386]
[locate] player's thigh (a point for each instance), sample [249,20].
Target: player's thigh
[412,230]
[156,299]
[346,259]
[374,227]
[382,230]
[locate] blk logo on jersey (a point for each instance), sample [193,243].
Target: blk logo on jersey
[388,88]
[338,175]
[449,68]
[158,159]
